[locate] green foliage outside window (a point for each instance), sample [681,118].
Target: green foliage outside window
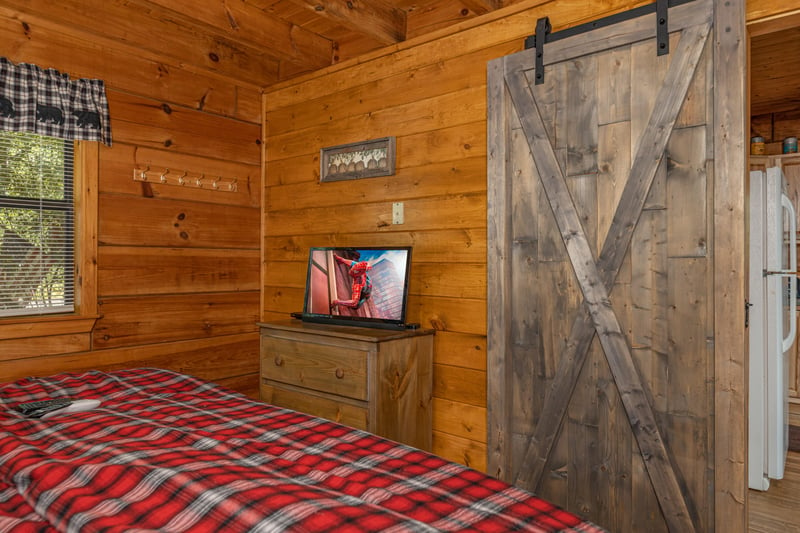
[35,224]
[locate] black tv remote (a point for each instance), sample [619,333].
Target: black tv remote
[42,407]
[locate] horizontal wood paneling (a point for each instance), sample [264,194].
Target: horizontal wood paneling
[462,385]
[154,32]
[430,95]
[459,349]
[460,280]
[50,44]
[423,152]
[465,451]
[229,359]
[157,124]
[130,221]
[51,344]
[454,74]
[458,176]
[414,117]
[132,271]
[150,319]
[117,168]
[177,267]
[467,211]
[471,424]
[438,119]
[436,246]
[499,27]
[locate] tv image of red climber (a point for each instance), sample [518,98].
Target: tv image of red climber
[358,282]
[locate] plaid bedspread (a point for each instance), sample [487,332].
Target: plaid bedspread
[168,452]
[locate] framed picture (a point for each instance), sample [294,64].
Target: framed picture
[365,159]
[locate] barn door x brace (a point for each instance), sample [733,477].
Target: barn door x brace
[543,30]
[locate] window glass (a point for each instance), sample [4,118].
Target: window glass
[36,224]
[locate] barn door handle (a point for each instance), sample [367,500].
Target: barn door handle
[747,306]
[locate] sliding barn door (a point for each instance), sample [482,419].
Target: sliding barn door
[600,276]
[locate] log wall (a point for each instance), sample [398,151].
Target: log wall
[177,267]
[429,92]
[190,302]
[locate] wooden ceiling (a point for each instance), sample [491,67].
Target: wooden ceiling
[261,42]
[775,72]
[257,42]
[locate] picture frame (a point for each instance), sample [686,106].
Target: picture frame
[364,159]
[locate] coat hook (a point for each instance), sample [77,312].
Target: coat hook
[184,178]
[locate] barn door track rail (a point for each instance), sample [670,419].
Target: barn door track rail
[544,30]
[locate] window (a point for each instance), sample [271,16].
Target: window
[36,225]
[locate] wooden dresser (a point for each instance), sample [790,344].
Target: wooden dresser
[373,379]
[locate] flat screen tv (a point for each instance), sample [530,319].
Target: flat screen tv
[365,286]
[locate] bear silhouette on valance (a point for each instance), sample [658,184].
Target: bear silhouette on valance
[48,102]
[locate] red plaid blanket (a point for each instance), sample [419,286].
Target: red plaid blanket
[169,452]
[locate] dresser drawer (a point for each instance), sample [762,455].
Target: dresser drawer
[320,367]
[341,412]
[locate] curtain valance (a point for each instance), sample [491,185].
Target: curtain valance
[47,102]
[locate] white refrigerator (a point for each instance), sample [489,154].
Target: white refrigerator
[772,323]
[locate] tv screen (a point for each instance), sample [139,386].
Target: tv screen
[357,286]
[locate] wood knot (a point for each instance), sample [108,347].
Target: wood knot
[437,324]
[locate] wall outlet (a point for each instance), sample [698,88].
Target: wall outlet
[397,213]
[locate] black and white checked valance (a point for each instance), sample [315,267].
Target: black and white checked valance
[47,102]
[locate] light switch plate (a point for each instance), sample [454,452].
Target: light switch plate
[397,213]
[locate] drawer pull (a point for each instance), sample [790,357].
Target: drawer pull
[339,373]
[278,360]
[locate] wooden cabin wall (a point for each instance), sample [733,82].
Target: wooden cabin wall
[431,95]
[177,267]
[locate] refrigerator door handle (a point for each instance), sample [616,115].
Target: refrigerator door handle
[786,203]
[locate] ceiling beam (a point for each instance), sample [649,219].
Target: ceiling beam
[373,18]
[250,25]
[482,6]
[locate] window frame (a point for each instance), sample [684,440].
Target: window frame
[86,157]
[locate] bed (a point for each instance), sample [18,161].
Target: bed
[169,452]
